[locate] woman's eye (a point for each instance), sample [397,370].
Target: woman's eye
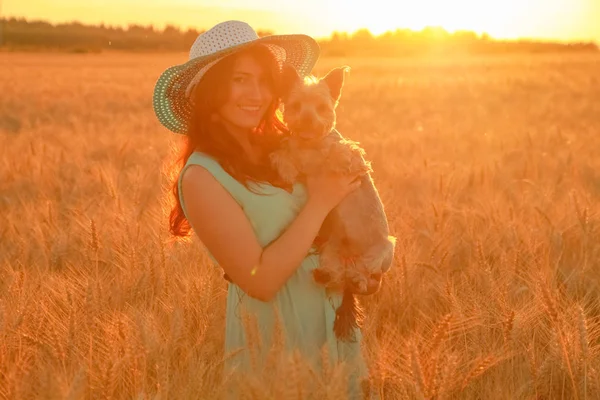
[239,79]
[321,108]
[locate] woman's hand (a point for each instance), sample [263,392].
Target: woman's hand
[327,189]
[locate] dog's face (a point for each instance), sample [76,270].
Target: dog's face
[309,104]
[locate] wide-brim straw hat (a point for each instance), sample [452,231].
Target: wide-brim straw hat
[174,87]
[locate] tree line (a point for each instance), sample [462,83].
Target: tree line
[21,34]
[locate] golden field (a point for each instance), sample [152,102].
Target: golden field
[490,172]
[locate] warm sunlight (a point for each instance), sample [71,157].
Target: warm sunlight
[504,19]
[561,20]
[465,263]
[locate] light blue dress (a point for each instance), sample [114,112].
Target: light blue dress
[305,311]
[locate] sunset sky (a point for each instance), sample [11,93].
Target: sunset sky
[542,19]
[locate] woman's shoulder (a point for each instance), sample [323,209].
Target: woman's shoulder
[207,161]
[212,165]
[199,157]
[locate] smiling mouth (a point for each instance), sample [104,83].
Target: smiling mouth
[250,108]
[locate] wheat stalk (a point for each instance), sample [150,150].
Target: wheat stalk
[443,258]
[530,352]
[549,304]
[277,344]
[94,244]
[109,380]
[57,345]
[552,311]
[582,215]
[326,371]
[253,340]
[440,332]
[436,380]
[450,295]
[432,356]
[447,376]
[584,342]
[404,277]
[481,256]
[294,384]
[583,333]
[417,370]
[479,369]
[507,323]
[338,386]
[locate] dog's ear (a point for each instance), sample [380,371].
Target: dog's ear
[335,80]
[289,78]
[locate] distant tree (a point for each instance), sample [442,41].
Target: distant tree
[189,37]
[362,35]
[464,36]
[17,33]
[171,30]
[263,33]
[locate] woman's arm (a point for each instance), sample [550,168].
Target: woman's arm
[222,226]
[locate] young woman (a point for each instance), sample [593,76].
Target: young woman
[260,232]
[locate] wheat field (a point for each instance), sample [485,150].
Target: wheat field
[489,168]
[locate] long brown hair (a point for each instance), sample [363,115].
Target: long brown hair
[212,138]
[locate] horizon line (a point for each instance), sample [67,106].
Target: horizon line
[183,28]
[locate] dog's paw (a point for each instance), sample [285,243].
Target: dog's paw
[358,282]
[365,286]
[378,258]
[358,166]
[285,167]
[388,254]
[339,156]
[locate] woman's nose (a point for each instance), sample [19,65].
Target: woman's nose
[255,90]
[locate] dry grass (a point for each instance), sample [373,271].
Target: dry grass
[490,172]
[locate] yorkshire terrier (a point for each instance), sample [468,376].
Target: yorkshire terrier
[357,249]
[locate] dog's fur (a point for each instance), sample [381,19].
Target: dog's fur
[358,248]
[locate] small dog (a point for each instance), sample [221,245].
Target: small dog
[357,248]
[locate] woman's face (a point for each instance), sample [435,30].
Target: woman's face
[249,96]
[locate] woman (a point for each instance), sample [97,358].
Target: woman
[257,230]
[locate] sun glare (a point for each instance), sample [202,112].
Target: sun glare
[503,19]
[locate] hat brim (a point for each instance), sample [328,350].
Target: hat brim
[172,106]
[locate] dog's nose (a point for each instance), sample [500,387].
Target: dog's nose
[307,122]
